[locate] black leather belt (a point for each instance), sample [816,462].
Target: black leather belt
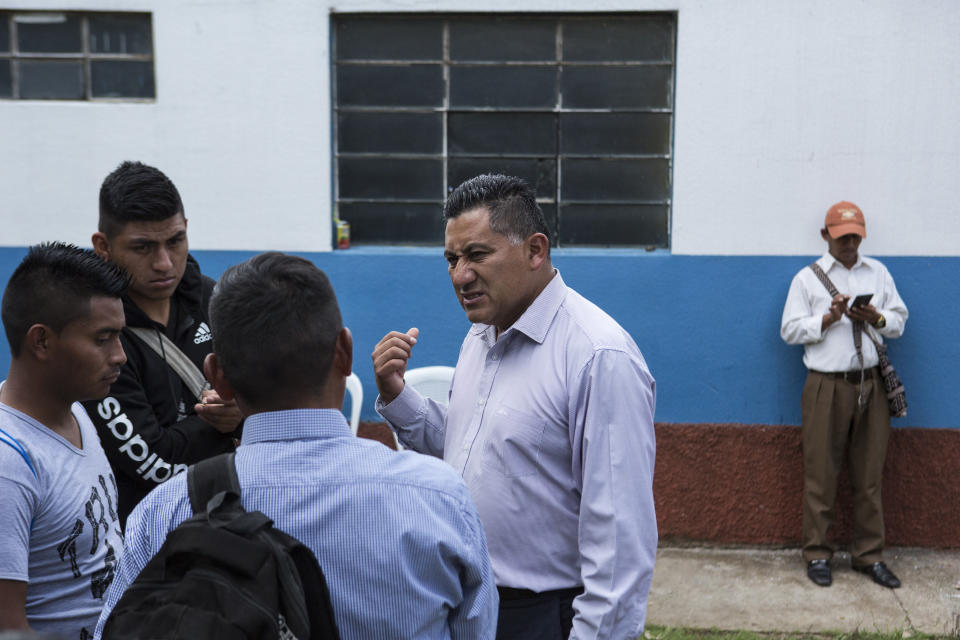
[853,377]
[510,593]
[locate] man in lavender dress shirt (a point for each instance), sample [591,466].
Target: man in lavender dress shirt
[550,422]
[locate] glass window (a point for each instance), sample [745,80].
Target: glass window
[121,79]
[579,105]
[502,39]
[6,80]
[396,132]
[49,55]
[503,87]
[51,80]
[390,85]
[612,39]
[4,34]
[121,33]
[363,38]
[48,33]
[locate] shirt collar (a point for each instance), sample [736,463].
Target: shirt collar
[295,424]
[827,261]
[535,321]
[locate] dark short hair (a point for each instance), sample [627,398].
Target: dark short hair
[513,207]
[275,322]
[135,192]
[52,286]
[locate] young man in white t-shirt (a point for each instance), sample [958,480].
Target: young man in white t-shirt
[59,527]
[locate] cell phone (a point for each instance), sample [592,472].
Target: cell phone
[861,300]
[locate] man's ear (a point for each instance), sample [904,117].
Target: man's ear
[37,341]
[825,234]
[538,250]
[101,245]
[343,353]
[219,382]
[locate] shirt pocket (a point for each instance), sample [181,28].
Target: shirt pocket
[514,442]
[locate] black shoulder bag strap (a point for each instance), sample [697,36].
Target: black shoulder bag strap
[857,327]
[176,359]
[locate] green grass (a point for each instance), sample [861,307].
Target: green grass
[654,632]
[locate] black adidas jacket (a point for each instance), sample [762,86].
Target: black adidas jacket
[147,425]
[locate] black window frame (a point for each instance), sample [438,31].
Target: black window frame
[555,204]
[90,62]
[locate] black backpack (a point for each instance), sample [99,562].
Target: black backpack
[225,573]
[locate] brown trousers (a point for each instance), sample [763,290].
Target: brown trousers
[832,423]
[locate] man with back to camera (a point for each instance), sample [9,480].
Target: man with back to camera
[550,422]
[152,424]
[397,535]
[844,404]
[59,530]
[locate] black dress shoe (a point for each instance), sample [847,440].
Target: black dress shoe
[881,575]
[819,572]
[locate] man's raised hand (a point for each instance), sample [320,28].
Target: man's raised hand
[390,358]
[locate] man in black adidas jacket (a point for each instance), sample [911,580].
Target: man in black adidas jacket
[151,424]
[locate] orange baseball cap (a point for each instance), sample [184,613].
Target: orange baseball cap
[843,218]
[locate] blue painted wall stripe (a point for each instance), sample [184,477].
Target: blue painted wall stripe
[707,325]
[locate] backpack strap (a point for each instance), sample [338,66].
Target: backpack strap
[174,357]
[209,477]
[323,625]
[19,448]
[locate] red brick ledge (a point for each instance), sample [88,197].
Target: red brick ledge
[734,484]
[742,484]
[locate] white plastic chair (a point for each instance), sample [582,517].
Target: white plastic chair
[355,389]
[431,382]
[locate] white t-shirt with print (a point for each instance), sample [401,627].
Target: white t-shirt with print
[59,529]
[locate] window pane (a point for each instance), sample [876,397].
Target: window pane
[393,85]
[550,216]
[391,178]
[4,33]
[366,132]
[393,223]
[534,87]
[48,33]
[613,225]
[617,87]
[373,39]
[122,79]
[502,133]
[540,173]
[120,33]
[619,39]
[62,80]
[6,80]
[502,39]
[615,133]
[605,179]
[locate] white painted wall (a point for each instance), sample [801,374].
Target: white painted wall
[241,125]
[782,108]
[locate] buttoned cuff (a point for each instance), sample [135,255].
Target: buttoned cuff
[405,408]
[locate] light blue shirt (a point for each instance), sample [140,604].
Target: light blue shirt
[59,529]
[551,426]
[396,534]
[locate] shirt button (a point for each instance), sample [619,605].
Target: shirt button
[493,356]
[479,401]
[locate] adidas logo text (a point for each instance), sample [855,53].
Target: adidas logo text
[203,334]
